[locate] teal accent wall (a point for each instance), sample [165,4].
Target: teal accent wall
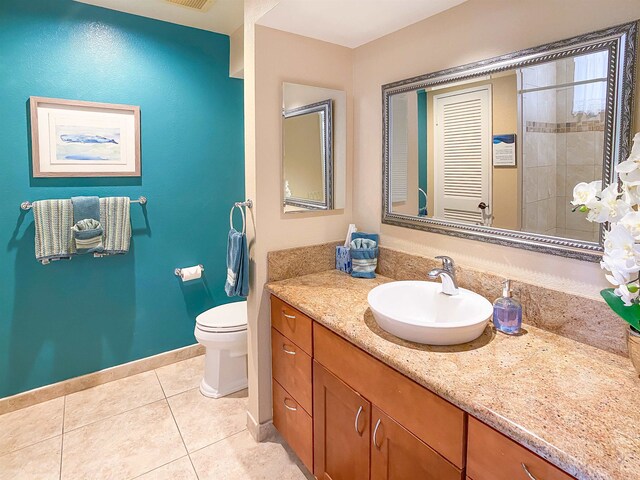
[422,144]
[71,318]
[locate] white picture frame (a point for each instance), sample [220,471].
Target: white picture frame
[71,138]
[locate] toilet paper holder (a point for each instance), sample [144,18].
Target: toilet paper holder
[178,271]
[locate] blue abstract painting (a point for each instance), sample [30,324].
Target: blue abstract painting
[82,143]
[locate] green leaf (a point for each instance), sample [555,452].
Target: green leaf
[583,208]
[631,314]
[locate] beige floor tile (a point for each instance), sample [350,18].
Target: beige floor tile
[204,420]
[240,458]
[122,446]
[40,461]
[30,425]
[180,469]
[110,399]
[181,376]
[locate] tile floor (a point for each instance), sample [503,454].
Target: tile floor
[151,426]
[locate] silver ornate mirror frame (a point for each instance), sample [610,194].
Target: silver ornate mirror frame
[621,43]
[325,108]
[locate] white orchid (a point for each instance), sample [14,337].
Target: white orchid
[629,170]
[631,194]
[621,255]
[610,207]
[585,193]
[619,206]
[631,222]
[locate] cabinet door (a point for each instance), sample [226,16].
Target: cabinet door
[341,422]
[397,454]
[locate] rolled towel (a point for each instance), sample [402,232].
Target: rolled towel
[88,236]
[364,256]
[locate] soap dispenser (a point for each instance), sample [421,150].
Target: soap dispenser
[507,312]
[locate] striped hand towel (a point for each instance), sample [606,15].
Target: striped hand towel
[115,220]
[53,220]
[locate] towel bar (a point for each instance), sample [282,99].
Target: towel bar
[27,205]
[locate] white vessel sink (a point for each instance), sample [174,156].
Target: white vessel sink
[420,312]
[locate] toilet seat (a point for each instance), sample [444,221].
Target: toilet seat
[228,318]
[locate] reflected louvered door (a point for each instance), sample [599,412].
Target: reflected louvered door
[462,151]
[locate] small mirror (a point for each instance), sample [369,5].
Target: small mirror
[492,150]
[313,148]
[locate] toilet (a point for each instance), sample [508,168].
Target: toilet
[222,331]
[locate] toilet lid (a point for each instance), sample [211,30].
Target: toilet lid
[231,317]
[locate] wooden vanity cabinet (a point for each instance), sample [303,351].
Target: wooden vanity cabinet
[349,416]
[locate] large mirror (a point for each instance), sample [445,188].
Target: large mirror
[492,150]
[313,148]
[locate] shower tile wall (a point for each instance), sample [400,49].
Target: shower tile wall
[559,150]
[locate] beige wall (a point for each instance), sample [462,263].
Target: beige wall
[271,58]
[236,53]
[464,34]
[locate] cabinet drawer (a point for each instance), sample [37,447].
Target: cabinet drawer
[492,456]
[291,323]
[292,369]
[430,418]
[294,424]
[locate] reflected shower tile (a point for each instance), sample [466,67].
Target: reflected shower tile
[543,219]
[530,185]
[530,149]
[552,192]
[561,212]
[561,148]
[543,183]
[531,217]
[561,181]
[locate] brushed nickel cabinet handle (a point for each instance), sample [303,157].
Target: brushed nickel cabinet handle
[356,421]
[292,317]
[287,351]
[375,435]
[293,409]
[529,474]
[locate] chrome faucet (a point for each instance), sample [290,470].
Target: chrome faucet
[447,275]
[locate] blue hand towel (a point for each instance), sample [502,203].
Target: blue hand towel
[237,284]
[85,207]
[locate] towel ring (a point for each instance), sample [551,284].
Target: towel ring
[244,220]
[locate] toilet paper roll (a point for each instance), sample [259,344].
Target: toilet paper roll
[191,273]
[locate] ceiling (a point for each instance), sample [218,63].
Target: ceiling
[350,23]
[224,16]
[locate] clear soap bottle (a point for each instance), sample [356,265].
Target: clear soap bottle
[507,312]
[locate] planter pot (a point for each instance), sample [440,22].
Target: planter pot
[633,342]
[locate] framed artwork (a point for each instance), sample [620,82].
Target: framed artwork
[72,138]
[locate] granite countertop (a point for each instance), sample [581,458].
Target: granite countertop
[573,404]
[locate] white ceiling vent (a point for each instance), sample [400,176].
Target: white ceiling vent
[201,5]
